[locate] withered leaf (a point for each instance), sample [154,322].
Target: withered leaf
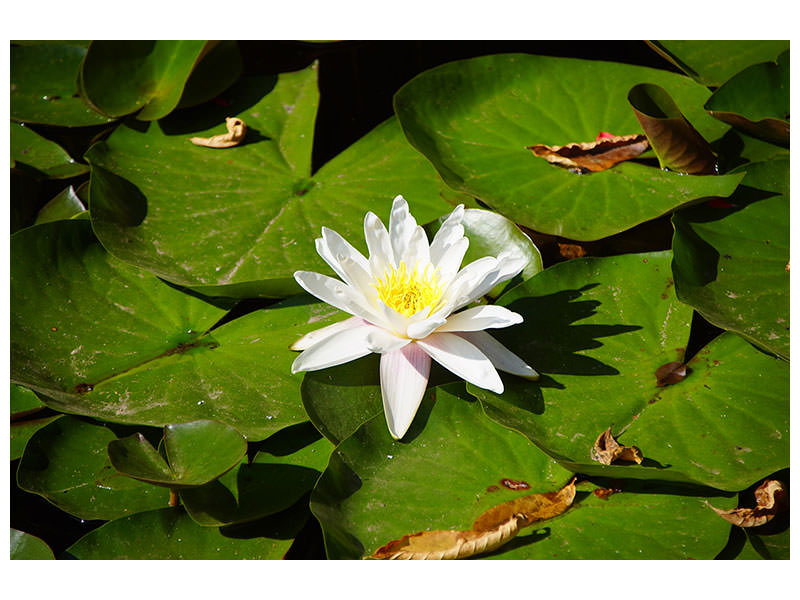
[599,155]
[236,132]
[607,450]
[770,499]
[604,493]
[670,373]
[570,251]
[491,530]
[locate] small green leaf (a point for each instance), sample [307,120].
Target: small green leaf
[197,452]
[474,120]
[29,148]
[121,77]
[22,431]
[732,264]
[66,463]
[170,534]
[25,546]
[44,86]
[756,101]
[23,402]
[713,62]
[284,469]
[65,205]
[678,145]
[219,67]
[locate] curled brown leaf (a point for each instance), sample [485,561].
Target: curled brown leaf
[236,132]
[607,450]
[770,499]
[599,155]
[491,530]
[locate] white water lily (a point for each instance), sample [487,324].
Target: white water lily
[404,300]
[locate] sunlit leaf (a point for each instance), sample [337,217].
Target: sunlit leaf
[25,546]
[30,148]
[65,205]
[474,119]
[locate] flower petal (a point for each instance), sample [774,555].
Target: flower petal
[462,358]
[401,227]
[417,250]
[507,267]
[450,261]
[502,358]
[423,329]
[479,318]
[467,279]
[318,335]
[341,347]
[344,259]
[449,233]
[379,245]
[337,294]
[404,376]
[382,341]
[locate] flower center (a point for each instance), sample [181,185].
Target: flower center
[409,291]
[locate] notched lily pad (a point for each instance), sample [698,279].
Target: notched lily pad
[599,155]
[492,529]
[771,498]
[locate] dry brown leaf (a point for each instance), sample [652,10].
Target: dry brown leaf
[491,530]
[570,251]
[670,373]
[770,499]
[599,155]
[604,493]
[236,132]
[607,450]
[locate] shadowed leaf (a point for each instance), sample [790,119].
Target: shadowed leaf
[677,144]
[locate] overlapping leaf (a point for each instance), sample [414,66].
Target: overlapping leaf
[149,359]
[66,463]
[29,148]
[732,264]
[44,86]
[713,62]
[25,546]
[245,217]
[453,465]
[598,330]
[474,119]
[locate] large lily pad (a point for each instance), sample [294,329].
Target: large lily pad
[66,463]
[150,360]
[732,264]
[197,452]
[257,205]
[284,469]
[713,62]
[120,77]
[29,148]
[362,499]
[169,534]
[474,119]
[598,330]
[44,86]
[25,546]
[22,431]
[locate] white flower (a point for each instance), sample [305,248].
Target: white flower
[404,300]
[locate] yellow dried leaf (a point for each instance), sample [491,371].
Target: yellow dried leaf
[236,132]
[599,155]
[491,530]
[607,450]
[770,499]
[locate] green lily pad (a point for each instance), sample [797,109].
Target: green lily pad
[22,431]
[44,86]
[474,120]
[66,463]
[219,67]
[756,101]
[29,148]
[489,234]
[23,402]
[120,77]
[257,205]
[362,499]
[197,452]
[732,264]
[284,470]
[713,62]
[170,534]
[25,546]
[150,360]
[598,330]
[65,205]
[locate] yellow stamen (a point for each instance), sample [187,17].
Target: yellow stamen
[409,291]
